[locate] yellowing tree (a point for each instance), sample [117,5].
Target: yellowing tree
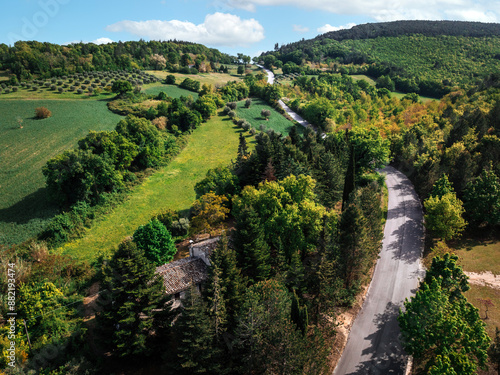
[210,211]
[444,216]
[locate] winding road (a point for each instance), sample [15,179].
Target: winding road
[373,346]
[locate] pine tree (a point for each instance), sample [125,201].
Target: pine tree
[242,148]
[230,282]
[252,250]
[299,314]
[197,349]
[269,172]
[130,294]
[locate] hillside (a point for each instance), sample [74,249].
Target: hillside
[27,60]
[427,57]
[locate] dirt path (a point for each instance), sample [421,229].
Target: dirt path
[484,279]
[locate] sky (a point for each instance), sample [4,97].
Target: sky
[232,26]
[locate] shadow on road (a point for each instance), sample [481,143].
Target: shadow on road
[387,358]
[407,235]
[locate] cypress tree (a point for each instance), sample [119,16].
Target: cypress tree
[251,248]
[349,182]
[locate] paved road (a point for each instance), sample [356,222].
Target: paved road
[292,114]
[373,345]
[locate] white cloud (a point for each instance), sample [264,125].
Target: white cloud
[103,41]
[390,10]
[220,29]
[300,29]
[328,27]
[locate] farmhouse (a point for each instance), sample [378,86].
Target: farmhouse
[178,276]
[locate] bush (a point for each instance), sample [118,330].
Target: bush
[180,227]
[232,114]
[170,80]
[232,105]
[42,112]
[265,113]
[248,103]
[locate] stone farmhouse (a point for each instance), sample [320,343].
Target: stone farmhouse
[178,276]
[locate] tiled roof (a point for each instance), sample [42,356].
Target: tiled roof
[178,275]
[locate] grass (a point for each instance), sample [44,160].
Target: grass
[214,79]
[477,293]
[276,122]
[171,90]
[24,207]
[47,93]
[172,187]
[480,256]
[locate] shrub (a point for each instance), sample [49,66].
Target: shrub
[14,88]
[232,105]
[265,113]
[52,87]
[79,91]
[170,80]
[160,122]
[180,227]
[232,114]
[248,103]
[42,112]
[61,90]
[253,131]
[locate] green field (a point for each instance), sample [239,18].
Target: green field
[214,143]
[209,78]
[24,207]
[276,122]
[171,90]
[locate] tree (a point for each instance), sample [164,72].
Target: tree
[221,181]
[158,62]
[151,144]
[482,199]
[251,247]
[442,187]
[130,298]
[156,242]
[494,350]
[265,113]
[197,349]
[440,332]
[444,216]
[241,69]
[449,275]
[80,175]
[170,79]
[119,149]
[209,212]
[121,87]
[268,340]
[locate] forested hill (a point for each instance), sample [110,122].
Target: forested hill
[32,59]
[427,28]
[426,57]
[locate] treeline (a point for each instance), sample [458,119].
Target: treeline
[32,59]
[427,57]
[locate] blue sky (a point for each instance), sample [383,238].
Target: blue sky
[232,26]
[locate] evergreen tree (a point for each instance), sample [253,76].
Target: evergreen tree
[353,241]
[231,284]
[494,351]
[349,182]
[130,295]
[442,187]
[299,314]
[251,248]
[197,350]
[242,149]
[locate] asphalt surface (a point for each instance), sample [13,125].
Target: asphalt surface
[373,346]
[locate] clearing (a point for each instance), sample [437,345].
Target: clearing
[172,187]
[171,90]
[24,207]
[276,121]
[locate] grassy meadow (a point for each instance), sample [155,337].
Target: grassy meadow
[214,79]
[172,187]
[24,207]
[171,90]
[276,121]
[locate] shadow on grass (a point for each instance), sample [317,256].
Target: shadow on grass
[36,205]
